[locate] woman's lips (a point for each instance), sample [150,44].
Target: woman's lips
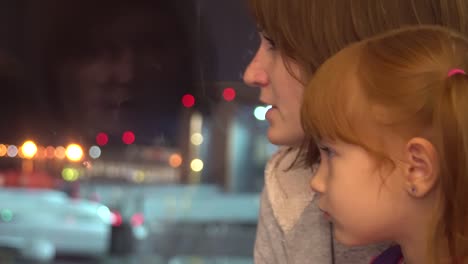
[270,111]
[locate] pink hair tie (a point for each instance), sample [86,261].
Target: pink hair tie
[455,71]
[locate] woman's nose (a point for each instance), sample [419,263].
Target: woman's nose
[255,75]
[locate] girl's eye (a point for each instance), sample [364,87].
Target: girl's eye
[328,151]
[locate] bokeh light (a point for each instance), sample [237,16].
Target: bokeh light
[41,152]
[128,137]
[50,152]
[3,150]
[196,165]
[60,152]
[229,94]
[196,139]
[74,152]
[175,160]
[70,174]
[12,151]
[102,139]
[139,176]
[95,152]
[260,112]
[29,149]
[188,100]
[6,215]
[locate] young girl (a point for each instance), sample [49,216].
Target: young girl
[390,118]
[297,36]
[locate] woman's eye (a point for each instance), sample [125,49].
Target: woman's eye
[271,42]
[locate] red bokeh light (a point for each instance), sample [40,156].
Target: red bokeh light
[116,218]
[137,219]
[229,94]
[188,100]
[128,137]
[102,139]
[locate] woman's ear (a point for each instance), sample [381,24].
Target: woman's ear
[423,171]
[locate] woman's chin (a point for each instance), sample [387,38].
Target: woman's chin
[284,137]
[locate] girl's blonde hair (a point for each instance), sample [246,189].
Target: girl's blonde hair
[395,87]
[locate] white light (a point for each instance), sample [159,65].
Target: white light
[74,152]
[260,112]
[196,165]
[95,152]
[105,214]
[29,149]
[12,151]
[196,139]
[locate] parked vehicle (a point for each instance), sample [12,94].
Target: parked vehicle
[40,224]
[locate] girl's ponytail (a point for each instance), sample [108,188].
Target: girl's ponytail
[451,140]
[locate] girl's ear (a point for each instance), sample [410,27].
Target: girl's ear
[423,171]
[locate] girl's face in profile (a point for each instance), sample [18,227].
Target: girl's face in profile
[365,204]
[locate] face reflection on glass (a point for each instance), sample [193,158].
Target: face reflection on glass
[98,83]
[103,86]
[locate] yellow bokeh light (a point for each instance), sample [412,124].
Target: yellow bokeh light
[175,160]
[196,165]
[74,152]
[3,150]
[70,174]
[29,149]
[60,152]
[139,176]
[196,139]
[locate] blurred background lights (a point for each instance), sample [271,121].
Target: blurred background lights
[260,112]
[175,160]
[60,152]
[188,100]
[50,152]
[104,213]
[139,176]
[70,174]
[196,165]
[6,215]
[41,152]
[102,139]
[20,153]
[3,150]
[128,137]
[12,151]
[29,149]
[95,152]
[196,139]
[74,152]
[229,94]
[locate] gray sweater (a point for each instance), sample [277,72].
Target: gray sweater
[291,228]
